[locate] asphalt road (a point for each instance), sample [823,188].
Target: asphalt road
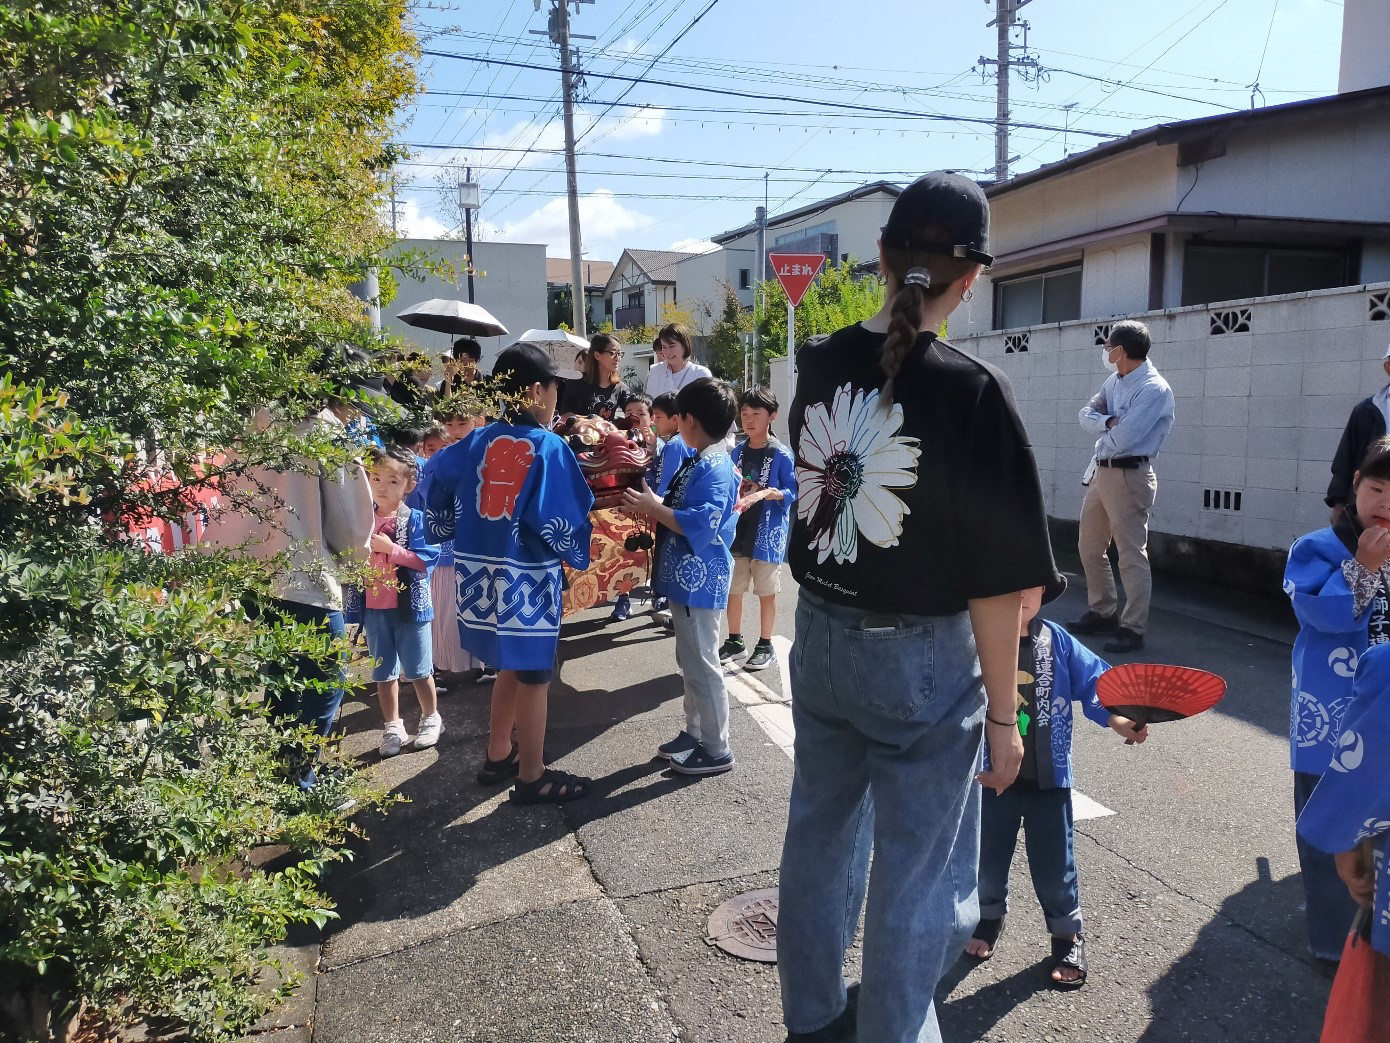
[465,918]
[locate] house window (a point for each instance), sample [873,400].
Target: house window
[634,300]
[1218,272]
[608,305]
[1051,296]
[744,278]
[824,228]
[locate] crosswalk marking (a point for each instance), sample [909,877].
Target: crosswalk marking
[772,710]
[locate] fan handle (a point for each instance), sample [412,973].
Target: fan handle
[1143,724]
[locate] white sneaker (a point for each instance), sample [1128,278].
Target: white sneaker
[430,729]
[663,617]
[392,739]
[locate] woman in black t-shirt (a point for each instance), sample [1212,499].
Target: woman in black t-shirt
[600,392]
[920,521]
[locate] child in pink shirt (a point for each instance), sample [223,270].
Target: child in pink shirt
[396,608]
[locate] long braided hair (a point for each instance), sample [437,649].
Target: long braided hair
[918,277]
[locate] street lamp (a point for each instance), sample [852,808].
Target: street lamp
[470,199]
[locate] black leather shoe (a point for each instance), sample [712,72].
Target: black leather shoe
[1125,640]
[841,1030]
[1095,623]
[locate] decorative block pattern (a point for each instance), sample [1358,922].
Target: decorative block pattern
[1015,343]
[1102,333]
[1378,306]
[1221,499]
[1230,320]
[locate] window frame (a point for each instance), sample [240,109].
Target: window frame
[1001,283]
[1348,253]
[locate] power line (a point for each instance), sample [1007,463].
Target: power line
[664,51]
[754,96]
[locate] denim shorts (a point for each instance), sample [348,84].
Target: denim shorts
[400,647]
[535,676]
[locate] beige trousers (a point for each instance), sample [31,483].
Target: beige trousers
[1117,506]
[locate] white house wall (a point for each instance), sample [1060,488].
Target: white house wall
[1115,278]
[1129,187]
[700,283]
[1283,171]
[1259,412]
[513,290]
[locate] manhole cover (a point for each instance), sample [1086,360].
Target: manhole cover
[746,926]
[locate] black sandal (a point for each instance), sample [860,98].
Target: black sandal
[553,787]
[1068,953]
[989,932]
[494,772]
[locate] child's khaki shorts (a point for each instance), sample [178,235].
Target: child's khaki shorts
[763,577]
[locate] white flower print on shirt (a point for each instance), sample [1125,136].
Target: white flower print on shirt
[850,457]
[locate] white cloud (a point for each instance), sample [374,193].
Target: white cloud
[412,222]
[534,142]
[694,246]
[599,211]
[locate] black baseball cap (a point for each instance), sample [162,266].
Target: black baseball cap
[524,364]
[943,198]
[1055,587]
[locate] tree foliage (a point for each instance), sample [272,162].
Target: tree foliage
[189,189]
[726,337]
[837,298]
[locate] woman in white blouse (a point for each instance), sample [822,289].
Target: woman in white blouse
[674,370]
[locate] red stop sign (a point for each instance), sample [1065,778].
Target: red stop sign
[796,272]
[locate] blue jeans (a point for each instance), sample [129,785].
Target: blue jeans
[888,730]
[1328,904]
[399,646]
[1046,817]
[316,708]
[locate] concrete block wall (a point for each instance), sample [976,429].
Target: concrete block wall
[1259,412]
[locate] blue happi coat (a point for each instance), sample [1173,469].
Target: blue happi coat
[513,500]
[419,497]
[1331,639]
[775,516]
[669,456]
[694,566]
[411,534]
[1352,801]
[1065,671]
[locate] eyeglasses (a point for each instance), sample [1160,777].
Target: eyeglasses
[612,351]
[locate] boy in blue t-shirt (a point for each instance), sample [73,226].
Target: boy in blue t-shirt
[693,566]
[766,493]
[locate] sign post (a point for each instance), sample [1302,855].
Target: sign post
[795,272]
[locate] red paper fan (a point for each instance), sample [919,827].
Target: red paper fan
[1148,693]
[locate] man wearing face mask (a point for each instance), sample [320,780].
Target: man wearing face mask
[1132,414]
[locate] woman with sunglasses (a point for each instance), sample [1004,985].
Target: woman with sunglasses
[600,391]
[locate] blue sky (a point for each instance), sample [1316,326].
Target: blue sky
[667,167]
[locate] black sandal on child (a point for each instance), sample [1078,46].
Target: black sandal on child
[494,772]
[989,932]
[1068,953]
[553,787]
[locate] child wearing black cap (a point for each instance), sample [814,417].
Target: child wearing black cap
[1054,670]
[515,502]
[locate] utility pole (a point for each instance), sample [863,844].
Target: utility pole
[468,233]
[1005,21]
[395,209]
[560,36]
[761,220]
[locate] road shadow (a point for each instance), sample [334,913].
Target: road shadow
[974,1015]
[1235,984]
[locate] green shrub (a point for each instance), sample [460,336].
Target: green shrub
[187,193]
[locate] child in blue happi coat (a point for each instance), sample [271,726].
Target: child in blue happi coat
[515,503]
[1054,670]
[1348,814]
[693,566]
[1336,578]
[670,453]
[760,544]
[395,608]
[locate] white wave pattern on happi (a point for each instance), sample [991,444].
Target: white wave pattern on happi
[850,458]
